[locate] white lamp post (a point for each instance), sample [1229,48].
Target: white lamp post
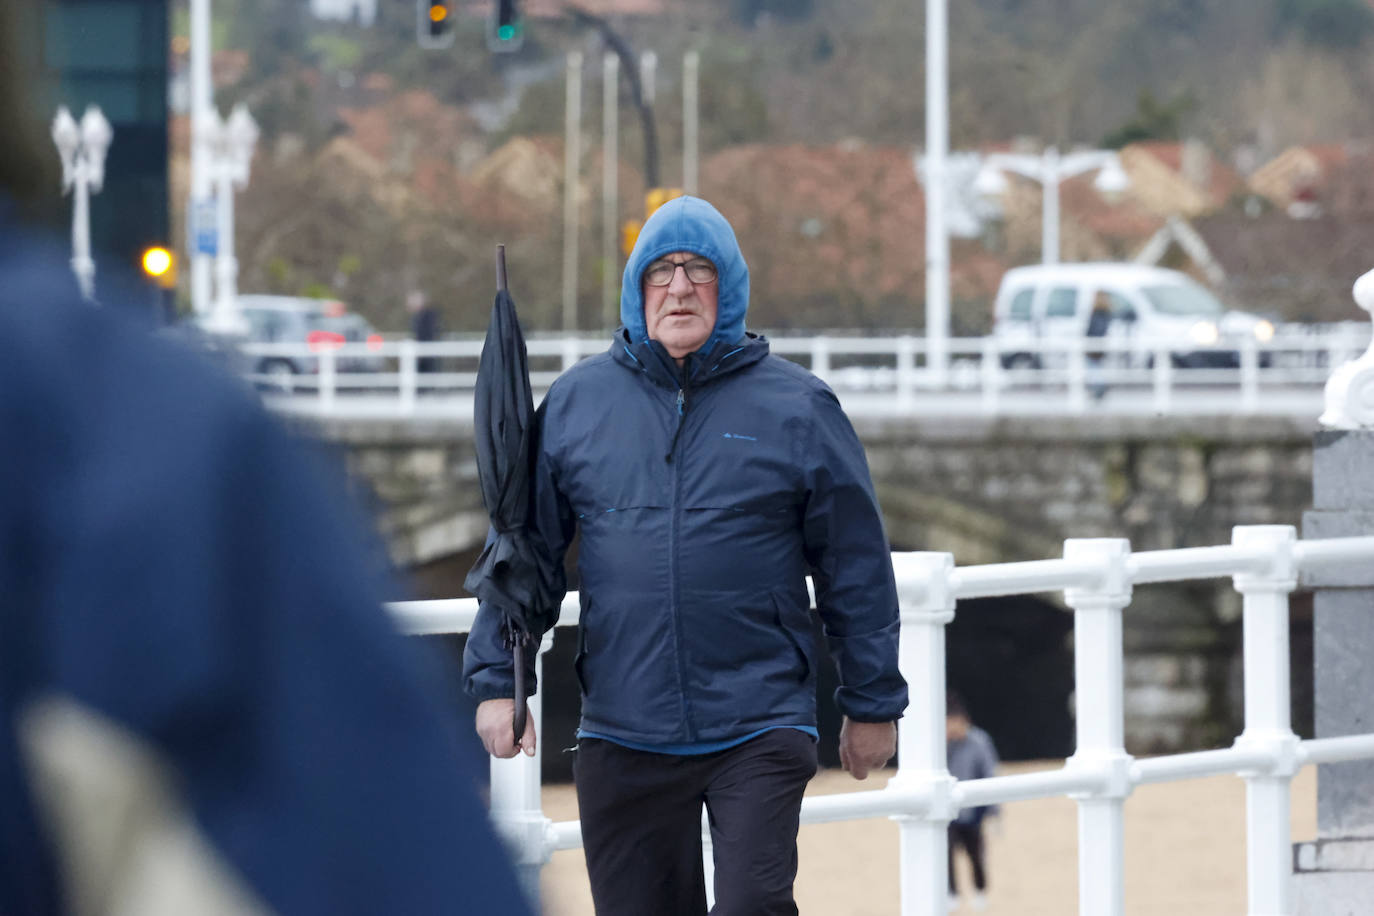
[82,148]
[231,144]
[1050,169]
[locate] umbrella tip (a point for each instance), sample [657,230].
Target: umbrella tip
[500,268]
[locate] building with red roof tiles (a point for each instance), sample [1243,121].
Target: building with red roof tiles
[1302,173]
[835,237]
[1171,178]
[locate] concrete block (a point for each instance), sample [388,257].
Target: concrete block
[1333,893]
[1341,464]
[1318,524]
[1343,631]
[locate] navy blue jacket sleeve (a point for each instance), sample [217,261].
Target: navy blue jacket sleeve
[488,671]
[851,565]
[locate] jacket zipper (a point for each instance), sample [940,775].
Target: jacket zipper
[672,567]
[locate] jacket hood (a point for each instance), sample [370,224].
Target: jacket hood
[689,224]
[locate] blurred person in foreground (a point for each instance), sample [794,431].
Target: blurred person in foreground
[707,478]
[203,707]
[971,755]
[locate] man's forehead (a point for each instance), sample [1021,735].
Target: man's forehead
[682,256]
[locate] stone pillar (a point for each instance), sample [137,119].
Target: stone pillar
[1335,874]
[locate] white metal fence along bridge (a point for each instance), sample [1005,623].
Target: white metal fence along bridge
[1096,576]
[874,375]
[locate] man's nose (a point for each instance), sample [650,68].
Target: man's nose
[680,286]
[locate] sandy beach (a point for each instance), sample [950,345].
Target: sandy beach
[1185,853]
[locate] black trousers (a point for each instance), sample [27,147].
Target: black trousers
[641,825]
[969,836]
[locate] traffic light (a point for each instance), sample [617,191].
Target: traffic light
[434,25]
[506,27]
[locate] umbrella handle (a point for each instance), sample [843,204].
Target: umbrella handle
[500,268]
[521,709]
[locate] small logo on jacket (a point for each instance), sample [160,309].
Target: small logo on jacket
[739,436]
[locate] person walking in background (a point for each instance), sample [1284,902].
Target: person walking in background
[971,755]
[707,478]
[424,326]
[1099,321]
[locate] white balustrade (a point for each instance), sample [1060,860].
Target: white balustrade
[1097,577]
[874,375]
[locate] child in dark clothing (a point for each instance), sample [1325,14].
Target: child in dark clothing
[970,755]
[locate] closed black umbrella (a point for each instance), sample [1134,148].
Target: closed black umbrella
[508,575]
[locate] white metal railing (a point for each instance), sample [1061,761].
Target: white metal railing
[1096,576]
[875,375]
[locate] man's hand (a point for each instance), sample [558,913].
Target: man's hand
[864,746]
[494,719]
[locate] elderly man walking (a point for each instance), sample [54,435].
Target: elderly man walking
[707,479]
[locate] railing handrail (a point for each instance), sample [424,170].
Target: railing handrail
[877,375]
[1096,575]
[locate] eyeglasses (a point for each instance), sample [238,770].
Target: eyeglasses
[661,273]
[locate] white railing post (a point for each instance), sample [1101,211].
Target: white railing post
[515,796]
[1268,853]
[1163,379]
[328,379]
[820,357]
[1098,699]
[927,601]
[1249,375]
[906,372]
[571,351]
[408,368]
[991,374]
[1078,375]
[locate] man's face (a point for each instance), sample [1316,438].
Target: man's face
[681,315]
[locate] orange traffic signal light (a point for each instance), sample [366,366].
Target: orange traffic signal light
[159,265]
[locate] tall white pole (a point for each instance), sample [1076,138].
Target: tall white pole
[610,114]
[201,109]
[691,68]
[648,71]
[572,158]
[1049,211]
[226,264]
[937,149]
[82,263]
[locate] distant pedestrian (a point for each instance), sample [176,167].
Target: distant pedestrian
[1099,322]
[424,326]
[971,755]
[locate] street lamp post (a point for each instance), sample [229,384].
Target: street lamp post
[1050,169]
[231,143]
[82,148]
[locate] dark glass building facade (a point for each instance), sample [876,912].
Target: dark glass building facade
[113,54]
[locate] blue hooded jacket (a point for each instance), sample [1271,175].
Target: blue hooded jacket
[704,495]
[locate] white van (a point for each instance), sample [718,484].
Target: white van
[1047,302]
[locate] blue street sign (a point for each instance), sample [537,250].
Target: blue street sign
[204,231]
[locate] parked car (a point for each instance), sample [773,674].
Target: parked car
[319,324]
[1047,302]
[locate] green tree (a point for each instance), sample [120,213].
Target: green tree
[1153,120]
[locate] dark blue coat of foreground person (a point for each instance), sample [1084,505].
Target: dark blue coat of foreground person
[203,705]
[707,478]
